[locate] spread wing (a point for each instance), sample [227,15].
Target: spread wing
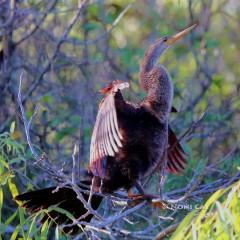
[106,138]
[176,162]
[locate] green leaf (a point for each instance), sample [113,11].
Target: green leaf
[61,210]
[10,219]
[93,9]
[47,99]
[12,127]
[230,196]
[12,187]
[57,233]
[1,203]
[194,232]
[67,131]
[4,163]
[32,228]
[180,233]
[21,216]
[220,210]
[91,26]
[209,202]
[22,221]
[15,233]
[218,219]
[44,230]
[4,178]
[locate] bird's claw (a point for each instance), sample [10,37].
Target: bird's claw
[159,203]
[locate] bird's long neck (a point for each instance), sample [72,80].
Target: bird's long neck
[150,58]
[156,82]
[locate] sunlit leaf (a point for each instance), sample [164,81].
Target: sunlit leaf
[219,217]
[180,232]
[15,233]
[12,187]
[32,228]
[44,229]
[12,127]
[22,221]
[1,203]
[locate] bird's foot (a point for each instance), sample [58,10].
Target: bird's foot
[159,203]
[154,200]
[133,196]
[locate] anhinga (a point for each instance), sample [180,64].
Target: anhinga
[129,140]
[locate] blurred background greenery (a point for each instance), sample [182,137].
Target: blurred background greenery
[67,55]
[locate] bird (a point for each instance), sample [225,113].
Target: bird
[129,142]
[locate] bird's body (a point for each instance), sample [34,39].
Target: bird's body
[143,144]
[130,140]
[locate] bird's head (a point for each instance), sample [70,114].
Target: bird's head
[166,42]
[160,45]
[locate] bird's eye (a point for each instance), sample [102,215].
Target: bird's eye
[165,39]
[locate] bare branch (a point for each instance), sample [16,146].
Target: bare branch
[37,24]
[74,19]
[27,124]
[166,231]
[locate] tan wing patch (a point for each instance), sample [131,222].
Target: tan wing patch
[106,138]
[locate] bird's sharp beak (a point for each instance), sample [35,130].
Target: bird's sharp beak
[180,35]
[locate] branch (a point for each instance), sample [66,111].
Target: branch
[167,231]
[74,19]
[27,124]
[37,24]
[42,159]
[12,12]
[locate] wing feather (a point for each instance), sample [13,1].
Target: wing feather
[110,134]
[102,141]
[114,127]
[175,153]
[106,138]
[110,148]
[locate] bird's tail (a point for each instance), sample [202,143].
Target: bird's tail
[64,198]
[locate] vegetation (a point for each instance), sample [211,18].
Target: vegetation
[216,220]
[66,51]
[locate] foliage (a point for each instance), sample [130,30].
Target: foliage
[218,218]
[14,223]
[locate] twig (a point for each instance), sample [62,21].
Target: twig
[118,216]
[32,31]
[74,167]
[166,231]
[27,124]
